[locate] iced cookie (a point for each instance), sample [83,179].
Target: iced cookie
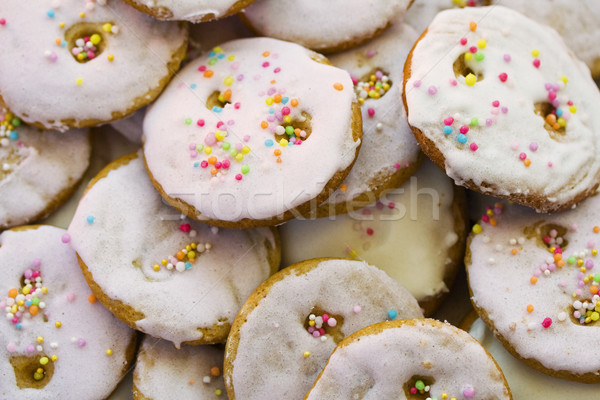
[410,359]
[534,282]
[326,27]
[389,152]
[502,104]
[69,63]
[190,10]
[294,320]
[416,234]
[422,12]
[525,382]
[251,132]
[166,373]
[39,170]
[145,263]
[55,336]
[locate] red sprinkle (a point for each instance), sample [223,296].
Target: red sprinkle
[503,77]
[536,63]
[202,68]
[473,146]
[238,177]
[370,231]
[200,122]
[496,103]
[463,41]
[464,129]
[547,322]
[185,228]
[473,49]
[2,21]
[371,112]
[449,121]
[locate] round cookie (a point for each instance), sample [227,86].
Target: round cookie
[190,10]
[422,12]
[389,152]
[144,262]
[525,382]
[334,26]
[409,359]
[61,336]
[534,282]
[166,373]
[39,170]
[226,141]
[416,234]
[293,321]
[505,107]
[127,60]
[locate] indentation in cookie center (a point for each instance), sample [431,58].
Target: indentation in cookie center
[373,85]
[32,372]
[218,100]
[86,40]
[320,323]
[293,129]
[555,125]
[461,68]
[418,387]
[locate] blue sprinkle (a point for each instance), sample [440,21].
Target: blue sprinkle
[217,109]
[14,135]
[461,138]
[559,112]
[269,143]
[50,13]
[90,219]
[285,100]
[193,86]
[392,314]
[63,43]
[19,325]
[447,130]
[211,54]
[188,265]
[271,111]
[221,56]
[196,164]
[28,303]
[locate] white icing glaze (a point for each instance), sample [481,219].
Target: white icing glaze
[422,12]
[79,369]
[30,87]
[388,143]
[500,283]
[133,226]
[414,235]
[36,167]
[376,365]
[332,23]
[525,382]
[516,130]
[274,334]
[188,10]
[269,188]
[163,372]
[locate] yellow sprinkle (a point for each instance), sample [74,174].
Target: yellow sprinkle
[40,339]
[481,43]
[269,101]
[191,254]
[594,252]
[579,262]
[80,56]
[57,324]
[208,149]
[283,142]
[535,52]
[82,15]
[287,119]
[44,290]
[54,358]
[228,81]
[562,122]
[61,25]
[111,58]
[231,58]
[164,261]
[564,79]
[306,354]
[218,392]
[95,39]
[44,360]
[109,352]
[311,323]
[245,149]
[470,79]
[468,56]
[444,396]
[107,27]
[573,109]
[156,267]
[78,81]
[239,157]
[217,49]
[353,254]
[477,229]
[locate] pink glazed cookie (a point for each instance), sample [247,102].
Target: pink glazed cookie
[72,63]
[251,132]
[57,341]
[505,108]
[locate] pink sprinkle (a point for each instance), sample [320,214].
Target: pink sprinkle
[413,390]
[536,63]
[473,49]
[225,164]
[371,53]
[547,322]
[185,228]
[332,322]
[271,91]
[469,392]
[507,57]
[325,317]
[473,146]
[453,82]
[463,41]
[311,329]
[417,83]
[489,122]
[285,110]
[30,348]
[504,110]
[397,166]
[551,95]
[503,77]
[448,121]
[522,156]
[265,64]
[238,177]
[496,103]
[66,238]
[371,112]
[591,244]
[11,347]
[202,68]
[53,57]
[200,122]
[70,297]
[464,129]
[322,331]
[237,105]
[432,90]
[533,146]
[204,164]
[240,77]
[391,206]
[277,70]
[316,333]
[550,164]
[357,309]
[81,342]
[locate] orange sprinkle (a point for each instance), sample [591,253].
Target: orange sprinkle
[214,171]
[227,94]
[273,82]
[191,381]
[557,257]
[264,125]
[215,371]
[533,280]
[473,26]
[92,299]
[527,162]
[33,310]
[208,73]
[596,229]
[297,132]
[560,263]
[180,255]
[338,86]
[279,160]
[277,98]
[277,152]
[529,308]
[294,102]
[493,222]
[266,54]
[514,251]
[593,289]
[58,41]
[343,188]
[212,160]
[12,293]
[551,119]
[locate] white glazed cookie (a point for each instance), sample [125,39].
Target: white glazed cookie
[407,359]
[226,141]
[289,326]
[326,27]
[500,103]
[534,281]
[422,12]
[39,170]
[128,59]
[60,343]
[189,10]
[525,382]
[389,152]
[163,372]
[416,234]
[142,260]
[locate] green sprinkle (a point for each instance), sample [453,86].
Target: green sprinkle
[420,385]
[188,121]
[289,129]
[212,61]
[597,278]
[571,260]
[479,56]
[245,169]
[474,122]
[233,152]
[226,146]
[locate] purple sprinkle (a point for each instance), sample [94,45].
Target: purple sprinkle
[533,146]
[66,238]
[489,122]
[417,83]
[507,57]
[247,138]
[81,342]
[30,348]
[432,90]
[504,110]
[469,392]
[240,77]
